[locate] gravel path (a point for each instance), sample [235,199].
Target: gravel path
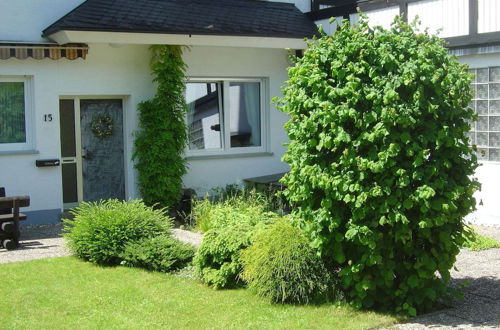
[45,241]
[37,242]
[187,236]
[480,307]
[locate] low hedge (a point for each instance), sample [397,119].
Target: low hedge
[100,230]
[162,253]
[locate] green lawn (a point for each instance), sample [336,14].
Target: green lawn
[68,293]
[481,243]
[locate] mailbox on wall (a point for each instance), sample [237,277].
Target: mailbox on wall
[47,162]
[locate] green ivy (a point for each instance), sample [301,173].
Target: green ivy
[160,141]
[380,165]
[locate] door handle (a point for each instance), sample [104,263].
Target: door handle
[86,154]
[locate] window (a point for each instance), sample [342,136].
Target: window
[15,114]
[225,116]
[486,130]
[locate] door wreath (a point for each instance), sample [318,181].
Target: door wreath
[102,126]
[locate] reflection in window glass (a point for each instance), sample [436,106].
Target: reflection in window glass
[245,127]
[203,115]
[12,113]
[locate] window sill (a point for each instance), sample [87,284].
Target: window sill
[18,152]
[230,155]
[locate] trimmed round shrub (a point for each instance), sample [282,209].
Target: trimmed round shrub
[161,253]
[100,230]
[381,170]
[280,265]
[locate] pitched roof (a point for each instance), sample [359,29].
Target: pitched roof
[197,17]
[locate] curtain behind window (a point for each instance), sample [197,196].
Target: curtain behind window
[12,114]
[245,114]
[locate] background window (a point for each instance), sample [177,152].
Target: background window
[224,115]
[12,112]
[485,131]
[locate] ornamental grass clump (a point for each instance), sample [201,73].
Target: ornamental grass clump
[281,265]
[380,165]
[100,231]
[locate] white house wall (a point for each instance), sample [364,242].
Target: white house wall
[452,16]
[488,174]
[488,16]
[379,17]
[328,27]
[303,5]
[123,71]
[111,72]
[219,62]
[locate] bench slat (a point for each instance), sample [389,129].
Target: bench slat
[8,202]
[10,217]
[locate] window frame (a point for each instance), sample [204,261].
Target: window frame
[224,102]
[29,144]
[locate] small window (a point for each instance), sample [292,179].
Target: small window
[15,114]
[485,133]
[225,116]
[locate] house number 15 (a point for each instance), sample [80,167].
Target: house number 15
[47,117]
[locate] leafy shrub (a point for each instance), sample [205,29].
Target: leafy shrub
[217,260]
[247,206]
[476,242]
[100,230]
[280,265]
[159,144]
[380,164]
[229,227]
[160,253]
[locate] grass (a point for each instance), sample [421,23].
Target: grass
[479,243]
[66,293]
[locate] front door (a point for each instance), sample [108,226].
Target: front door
[92,150]
[101,123]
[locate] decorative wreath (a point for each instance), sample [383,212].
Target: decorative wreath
[102,126]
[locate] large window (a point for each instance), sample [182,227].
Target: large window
[485,132]
[225,116]
[15,113]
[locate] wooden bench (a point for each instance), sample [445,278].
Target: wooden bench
[9,219]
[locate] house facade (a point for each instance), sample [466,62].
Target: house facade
[73,72]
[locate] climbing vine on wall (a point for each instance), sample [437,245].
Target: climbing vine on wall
[160,141]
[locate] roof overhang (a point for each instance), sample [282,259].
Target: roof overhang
[88,37]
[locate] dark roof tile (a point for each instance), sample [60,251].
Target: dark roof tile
[205,17]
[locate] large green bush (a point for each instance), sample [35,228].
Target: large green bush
[161,253]
[100,231]
[380,165]
[281,265]
[160,141]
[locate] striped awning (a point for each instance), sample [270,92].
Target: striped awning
[22,51]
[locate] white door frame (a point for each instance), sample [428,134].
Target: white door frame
[78,143]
